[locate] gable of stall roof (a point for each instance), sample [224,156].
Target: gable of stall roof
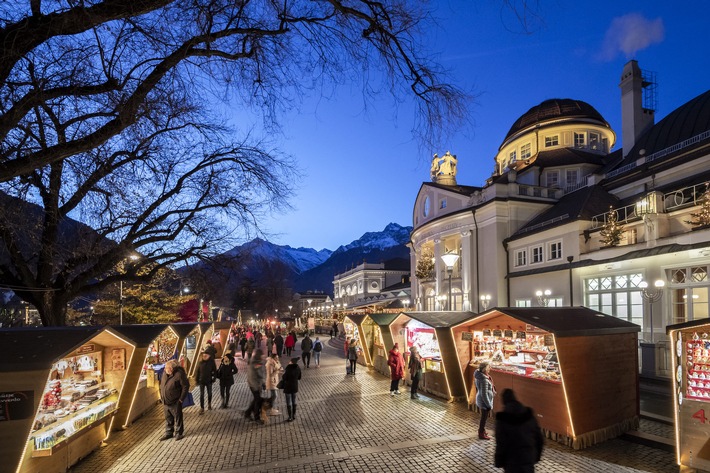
[358,320]
[443,322]
[384,321]
[26,360]
[206,330]
[223,327]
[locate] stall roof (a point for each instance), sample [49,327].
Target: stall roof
[565,321]
[183,329]
[223,324]
[357,318]
[204,326]
[691,324]
[141,334]
[28,349]
[383,319]
[441,319]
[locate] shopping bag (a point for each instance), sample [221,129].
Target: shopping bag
[347,367]
[189,400]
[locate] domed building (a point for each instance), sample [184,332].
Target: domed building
[565,221]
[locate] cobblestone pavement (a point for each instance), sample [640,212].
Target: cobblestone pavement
[344,424]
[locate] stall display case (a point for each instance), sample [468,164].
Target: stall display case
[70,396]
[691,388]
[556,360]
[379,338]
[353,325]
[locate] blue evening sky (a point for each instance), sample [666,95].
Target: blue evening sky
[362,168]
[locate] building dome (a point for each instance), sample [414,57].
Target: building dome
[554,109]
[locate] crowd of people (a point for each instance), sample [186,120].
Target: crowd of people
[519,440]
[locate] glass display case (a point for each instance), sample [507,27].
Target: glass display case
[697,355]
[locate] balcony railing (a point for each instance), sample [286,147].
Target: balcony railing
[685,197]
[623,215]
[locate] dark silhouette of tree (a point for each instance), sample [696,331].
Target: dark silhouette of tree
[107,117]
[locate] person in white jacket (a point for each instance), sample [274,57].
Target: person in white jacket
[273,373]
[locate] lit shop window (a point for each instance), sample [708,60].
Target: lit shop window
[618,295]
[690,289]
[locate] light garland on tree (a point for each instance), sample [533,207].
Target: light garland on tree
[702,218]
[611,232]
[425,266]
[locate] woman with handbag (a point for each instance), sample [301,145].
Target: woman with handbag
[485,392]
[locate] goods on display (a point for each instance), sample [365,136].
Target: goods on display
[697,350]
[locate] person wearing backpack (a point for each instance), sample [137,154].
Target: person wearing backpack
[317,348]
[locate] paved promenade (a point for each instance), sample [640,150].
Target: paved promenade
[344,424]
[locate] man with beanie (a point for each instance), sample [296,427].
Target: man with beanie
[519,439]
[256,377]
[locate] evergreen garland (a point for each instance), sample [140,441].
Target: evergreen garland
[611,232]
[702,217]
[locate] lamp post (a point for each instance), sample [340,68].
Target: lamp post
[652,295]
[543,297]
[450,260]
[485,300]
[289,310]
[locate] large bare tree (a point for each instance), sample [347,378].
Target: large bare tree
[108,116]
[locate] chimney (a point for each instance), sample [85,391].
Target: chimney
[635,118]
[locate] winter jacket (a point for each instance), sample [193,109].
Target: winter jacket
[256,373]
[206,372]
[306,345]
[211,350]
[396,364]
[352,352]
[250,345]
[273,370]
[519,440]
[485,392]
[226,372]
[290,341]
[279,341]
[415,365]
[292,374]
[317,346]
[174,388]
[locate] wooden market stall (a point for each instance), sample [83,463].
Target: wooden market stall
[691,393]
[155,345]
[377,337]
[59,388]
[576,367]
[353,329]
[206,332]
[431,333]
[188,336]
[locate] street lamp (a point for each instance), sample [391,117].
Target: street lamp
[450,260]
[543,298]
[405,302]
[442,300]
[652,295]
[485,300]
[289,310]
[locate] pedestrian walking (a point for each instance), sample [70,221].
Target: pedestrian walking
[256,378]
[353,352]
[306,347]
[174,387]
[415,371]
[396,364]
[210,350]
[225,373]
[317,348]
[290,343]
[485,392]
[251,344]
[205,376]
[291,376]
[335,329]
[519,440]
[279,342]
[269,344]
[243,344]
[273,372]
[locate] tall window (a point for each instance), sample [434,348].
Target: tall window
[442,204]
[579,140]
[618,295]
[571,176]
[595,141]
[521,258]
[523,303]
[525,151]
[512,157]
[553,179]
[537,254]
[552,141]
[689,288]
[556,250]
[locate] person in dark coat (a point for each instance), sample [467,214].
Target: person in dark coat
[256,378]
[415,371]
[211,350]
[205,376]
[279,342]
[174,387]
[291,376]
[225,374]
[306,347]
[519,440]
[485,394]
[243,345]
[396,364]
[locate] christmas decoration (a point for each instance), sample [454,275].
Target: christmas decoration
[702,218]
[425,266]
[611,232]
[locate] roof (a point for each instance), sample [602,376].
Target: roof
[691,324]
[441,319]
[554,109]
[566,321]
[566,157]
[142,334]
[29,349]
[463,190]
[383,319]
[356,318]
[183,329]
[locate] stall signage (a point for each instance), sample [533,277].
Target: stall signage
[520,335]
[508,334]
[486,332]
[497,333]
[311,323]
[467,336]
[90,348]
[16,405]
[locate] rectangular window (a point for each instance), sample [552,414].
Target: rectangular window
[571,177]
[525,151]
[595,141]
[579,140]
[553,179]
[523,303]
[512,157]
[690,293]
[521,258]
[537,255]
[552,141]
[442,205]
[555,250]
[619,296]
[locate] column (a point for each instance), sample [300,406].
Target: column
[438,268]
[466,264]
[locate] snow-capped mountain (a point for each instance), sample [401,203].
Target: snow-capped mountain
[392,235]
[297,259]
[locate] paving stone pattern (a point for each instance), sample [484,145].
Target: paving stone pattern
[344,424]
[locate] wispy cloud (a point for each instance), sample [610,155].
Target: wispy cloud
[630,34]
